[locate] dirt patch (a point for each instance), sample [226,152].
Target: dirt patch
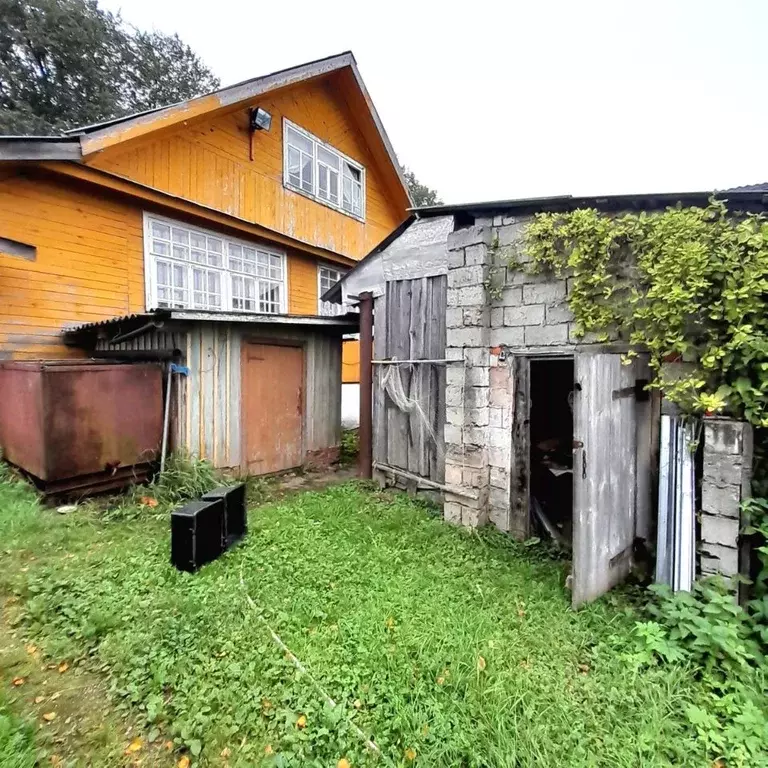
[69,707]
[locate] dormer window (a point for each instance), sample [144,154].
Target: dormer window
[321,172]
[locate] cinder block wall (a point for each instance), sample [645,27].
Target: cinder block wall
[492,309]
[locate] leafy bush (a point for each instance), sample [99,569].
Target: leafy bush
[350,446]
[721,644]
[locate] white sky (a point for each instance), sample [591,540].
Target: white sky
[495,100]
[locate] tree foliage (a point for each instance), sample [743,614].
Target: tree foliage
[65,63]
[421,194]
[685,283]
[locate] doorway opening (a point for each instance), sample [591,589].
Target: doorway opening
[551,448]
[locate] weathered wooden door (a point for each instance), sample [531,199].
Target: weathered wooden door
[604,474]
[273,392]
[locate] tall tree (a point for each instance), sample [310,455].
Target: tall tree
[421,194]
[65,63]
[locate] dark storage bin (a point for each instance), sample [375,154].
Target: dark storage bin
[235,517]
[61,420]
[197,534]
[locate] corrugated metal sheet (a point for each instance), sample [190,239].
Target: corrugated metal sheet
[207,412]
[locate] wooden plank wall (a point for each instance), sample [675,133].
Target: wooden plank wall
[410,325]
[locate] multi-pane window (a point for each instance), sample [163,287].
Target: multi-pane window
[327,277]
[323,172]
[192,269]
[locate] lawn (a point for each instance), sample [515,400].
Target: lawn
[444,648]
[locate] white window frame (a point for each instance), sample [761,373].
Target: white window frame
[314,195]
[328,308]
[226,274]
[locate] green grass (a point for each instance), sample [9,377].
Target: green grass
[16,738]
[447,648]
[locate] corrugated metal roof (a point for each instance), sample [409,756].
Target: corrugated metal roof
[346,323]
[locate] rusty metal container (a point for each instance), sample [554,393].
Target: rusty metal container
[81,425]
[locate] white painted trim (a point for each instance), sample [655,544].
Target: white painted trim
[150,281]
[320,291]
[315,175]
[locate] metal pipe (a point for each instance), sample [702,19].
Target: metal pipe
[147,355]
[140,331]
[397,362]
[166,417]
[365,456]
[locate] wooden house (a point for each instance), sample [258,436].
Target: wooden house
[207,230]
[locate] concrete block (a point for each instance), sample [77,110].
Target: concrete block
[454,317]
[475,254]
[498,437]
[466,337]
[454,353]
[474,295]
[512,296]
[454,374]
[546,335]
[453,296]
[477,397]
[477,417]
[509,220]
[522,277]
[497,317]
[544,293]
[474,478]
[724,436]
[498,220]
[721,501]
[454,396]
[477,376]
[460,277]
[498,416]
[474,435]
[500,457]
[473,518]
[452,512]
[511,234]
[727,558]
[476,235]
[475,316]
[499,478]
[499,516]
[465,455]
[716,529]
[529,314]
[453,475]
[477,356]
[454,416]
[590,337]
[456,258]
[722,469]
[509,337]
[498,497]
[453,432]
[558,313]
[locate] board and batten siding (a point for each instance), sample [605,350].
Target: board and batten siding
[410,325]
[208,160]
[207,403]
[88,263]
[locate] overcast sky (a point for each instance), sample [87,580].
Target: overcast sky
[523,98]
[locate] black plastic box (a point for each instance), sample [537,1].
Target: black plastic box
[197,534]
[235,516]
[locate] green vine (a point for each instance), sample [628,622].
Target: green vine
[686,284]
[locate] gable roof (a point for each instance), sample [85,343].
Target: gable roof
[79,143]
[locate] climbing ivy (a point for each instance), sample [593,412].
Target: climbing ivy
[685,284]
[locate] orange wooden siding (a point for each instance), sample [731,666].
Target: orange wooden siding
[350,362]
[207,160]
[89,264]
